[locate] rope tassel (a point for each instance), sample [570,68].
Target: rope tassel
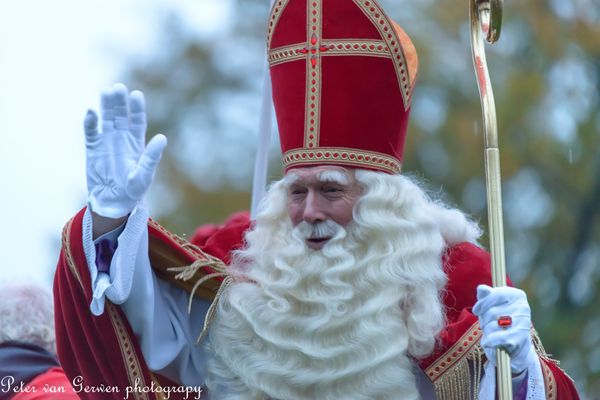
[188,272]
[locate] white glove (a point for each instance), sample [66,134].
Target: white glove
[493,303]
[119,166]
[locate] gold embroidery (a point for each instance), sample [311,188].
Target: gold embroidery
[457,382]
[134,369]
[339,155]
[549,382]
[278,8]
[313,52]
[285,54]
[451,370]
[339,47]
[375,13]
[158,392]
[454,372]
[66,239]
[357,47]
[452,375]
[460,349]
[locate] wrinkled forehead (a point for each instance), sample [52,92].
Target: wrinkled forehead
[325,173]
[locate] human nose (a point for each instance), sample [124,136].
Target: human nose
[313,209]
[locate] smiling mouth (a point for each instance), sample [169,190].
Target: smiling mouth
[317,243]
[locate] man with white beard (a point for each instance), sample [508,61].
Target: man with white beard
[350,284]
[338,289]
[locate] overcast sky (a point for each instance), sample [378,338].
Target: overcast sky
[55,57]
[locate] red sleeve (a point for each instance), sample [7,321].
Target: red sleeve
[98,354]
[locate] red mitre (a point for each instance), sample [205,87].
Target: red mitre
[343,74]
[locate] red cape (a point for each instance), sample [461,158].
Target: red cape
[104,352]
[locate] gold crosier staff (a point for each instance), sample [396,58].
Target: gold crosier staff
[486,18]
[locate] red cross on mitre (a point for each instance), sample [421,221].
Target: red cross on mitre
[314,50]
[341,83]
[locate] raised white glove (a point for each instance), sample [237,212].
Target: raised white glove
[493,303]
[119,166]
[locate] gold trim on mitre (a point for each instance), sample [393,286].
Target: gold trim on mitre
[341,155]
[333,47]
[278,7]
[398,43]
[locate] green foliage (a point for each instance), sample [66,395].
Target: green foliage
[204,92]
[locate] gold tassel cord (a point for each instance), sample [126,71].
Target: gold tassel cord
[477,359]
[539,347]
[212,310]
[461,381]
[187,272]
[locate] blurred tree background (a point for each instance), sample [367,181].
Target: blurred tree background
[204,91]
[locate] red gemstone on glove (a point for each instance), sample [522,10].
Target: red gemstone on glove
[505,321]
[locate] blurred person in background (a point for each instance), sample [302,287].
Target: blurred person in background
[351,283]
[29,368]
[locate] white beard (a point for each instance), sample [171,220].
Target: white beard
[340,323]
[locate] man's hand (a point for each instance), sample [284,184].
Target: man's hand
[120,166]
[495,303]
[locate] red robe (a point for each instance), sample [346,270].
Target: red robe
[104,352]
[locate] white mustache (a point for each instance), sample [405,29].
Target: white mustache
[320,230]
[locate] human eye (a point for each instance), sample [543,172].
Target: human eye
[332,190]
[297,191]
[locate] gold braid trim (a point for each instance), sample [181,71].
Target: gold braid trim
[158,392]
[461,381]
[460,368]
[344,156]
[539,347]
[386,29]
[549,379]
[457,373]
[134,368]
[276,11]
[549,382]
[66,242]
